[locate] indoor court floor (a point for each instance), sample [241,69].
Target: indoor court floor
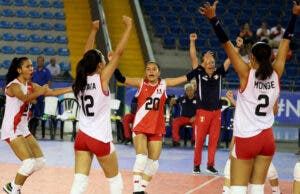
[174,175]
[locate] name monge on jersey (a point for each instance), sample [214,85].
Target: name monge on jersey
[264,85]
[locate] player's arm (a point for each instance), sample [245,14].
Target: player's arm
[238,63]
[91,39]
[193,52]
[285,42]
[15,90]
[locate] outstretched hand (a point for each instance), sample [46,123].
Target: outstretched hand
[193,36]
[296,8]
[209,10]
[95,25]
[110,55]
[127,20]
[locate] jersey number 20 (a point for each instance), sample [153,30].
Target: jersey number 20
[152,103]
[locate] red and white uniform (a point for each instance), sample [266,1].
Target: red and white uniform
[94,113]
[16,115]
[149,117]
[254,107]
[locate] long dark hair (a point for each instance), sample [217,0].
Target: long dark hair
[15,64]
[87,65]
[262,52]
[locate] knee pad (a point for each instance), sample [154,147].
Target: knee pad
[27,167]
[238,189]
[227,169]
[151,167]
[80,183]
[297,172]
[39,163]
[272,172]
[140,163]
[256,189]
[116,184]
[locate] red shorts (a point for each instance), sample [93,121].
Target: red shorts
[83,142]
[150,137]
[248,148]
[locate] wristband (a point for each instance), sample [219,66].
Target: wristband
[219,30]
[119,77]
[289,32]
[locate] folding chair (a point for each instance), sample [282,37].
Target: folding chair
[50,113]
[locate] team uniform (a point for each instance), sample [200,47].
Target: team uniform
[254,117]
[95,133]
[188,110]
[17,114]
[208,114]
[149,118]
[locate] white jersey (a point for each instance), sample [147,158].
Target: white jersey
[94,112]
[16,115]
[254,107]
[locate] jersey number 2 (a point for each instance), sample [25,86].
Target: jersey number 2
[87,103]
[265,103]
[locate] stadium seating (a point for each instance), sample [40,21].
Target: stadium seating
[49,51]
[63,52]
[21,50]
[8,36]
[48,39]
[21,37]
[45,4]
[34,38]
[35,51]
[32,26]
[21,13]
[8,13]
[7,49]
[6,64]
[61,39]
[65,66]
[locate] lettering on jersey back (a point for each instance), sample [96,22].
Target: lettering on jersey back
[264,85]
[90,86]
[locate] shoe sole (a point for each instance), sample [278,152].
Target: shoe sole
[210,172]
[196,172]
[8,192]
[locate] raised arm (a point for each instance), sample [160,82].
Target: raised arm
[285,42]
[229,96]
[239,44]
[193,52]
[179,80]
[58,91]
[15,90]
[91,39]
[109,69]
[238,63]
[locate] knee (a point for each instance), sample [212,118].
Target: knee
[140,163]
[151,167]
[272,172]
[27,167]
[297,172]
[39,163]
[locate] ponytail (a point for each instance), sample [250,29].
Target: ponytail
[262,53]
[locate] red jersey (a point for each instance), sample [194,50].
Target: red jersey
[149,117]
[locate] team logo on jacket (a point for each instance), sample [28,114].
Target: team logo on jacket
[205,78]
[216,77]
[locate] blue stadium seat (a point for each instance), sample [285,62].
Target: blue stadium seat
[21,50]
[8,13]
[156,18]
[45,26]
[21,13]
[149,7]
[49,51]
[47,15]
[19,25]
[21,37]
[34,64]
[171,18]
[169,41]
[35,51]
[6,64]
[186,19]
[19,3]
[34,38]
[65,66]
[177,6]
[190,28]
[45,3]
[160,30]
[63,52]
[32,3]
[34,14]
[7,49]
[8,36]
[58,4]
[291,71]
[163,7]
[5,2]
[59,27]
[32,26]
[184,42]
[59,16]
[175,29]
[48,39]
[61,39]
